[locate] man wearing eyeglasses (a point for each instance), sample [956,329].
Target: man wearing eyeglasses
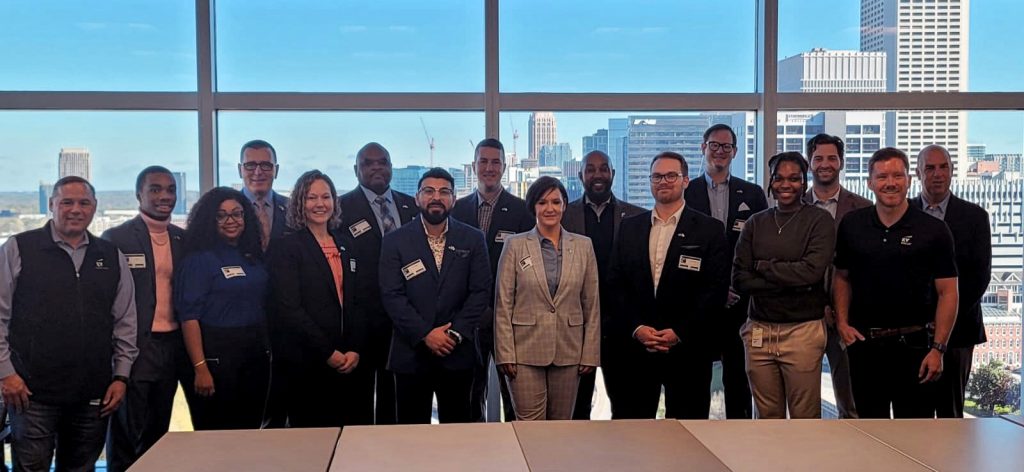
[435,283]
[730,200]
[670,270]
[498,214]
[258,168]
[369,212]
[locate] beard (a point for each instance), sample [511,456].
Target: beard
[599,196]
[434,218]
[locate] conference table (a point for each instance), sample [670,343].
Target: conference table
[984,444]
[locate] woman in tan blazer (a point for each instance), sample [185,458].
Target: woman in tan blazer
[547,318]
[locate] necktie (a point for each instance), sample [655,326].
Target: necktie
[386,220]
[265,223]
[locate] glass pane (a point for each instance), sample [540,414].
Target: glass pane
[890,45]
[308,140]
[108,148]
[987,150]
[627,46]
[117,45]
[350,46]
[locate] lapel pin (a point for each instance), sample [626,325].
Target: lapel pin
[504,208]
[681,235]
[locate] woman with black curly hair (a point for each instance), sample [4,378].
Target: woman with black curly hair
[220,298]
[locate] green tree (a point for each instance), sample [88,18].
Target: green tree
[990,385]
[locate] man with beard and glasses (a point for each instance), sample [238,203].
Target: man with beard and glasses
[153,247]
[498,214]
[435,283]
[826,154]
[368,212]
[895,295]
[973,241]
[597,215]
[730,200]
[670,271]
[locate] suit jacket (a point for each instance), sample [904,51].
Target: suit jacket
[311,323]
[510,215]
[972,239]
[741,193]
[847,202]
[533,328]
[686,300]
[574,221]
[132,238]
[420,302]
[280,225]
[355,209]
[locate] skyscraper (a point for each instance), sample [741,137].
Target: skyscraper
[821,70]
[618,132]
[45,190]
[976,152]
[407,179]
[555,154]
[543,130]
[596,142]
[181,206]
[74,161]
[926,46]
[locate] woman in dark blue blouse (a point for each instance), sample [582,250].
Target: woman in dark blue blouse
[220,297]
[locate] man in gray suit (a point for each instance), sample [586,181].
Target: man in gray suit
[826,155]
[597,215]
[153,247]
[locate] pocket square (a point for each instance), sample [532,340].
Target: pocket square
[743,207]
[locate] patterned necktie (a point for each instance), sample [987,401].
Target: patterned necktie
[265,223]
[386,220]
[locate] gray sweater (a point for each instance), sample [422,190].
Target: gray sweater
[783,269]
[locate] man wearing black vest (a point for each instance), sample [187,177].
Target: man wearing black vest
[370,211]
[67,334]
[597,215]
[730,200]
[153,247]
[498,214]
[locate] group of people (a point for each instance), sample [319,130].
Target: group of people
[329,310]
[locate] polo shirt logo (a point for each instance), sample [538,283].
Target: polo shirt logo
[100,265]
[906,240]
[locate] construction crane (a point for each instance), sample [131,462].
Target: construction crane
[515,136]
[430,141]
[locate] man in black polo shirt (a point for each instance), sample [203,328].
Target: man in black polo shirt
[895,278]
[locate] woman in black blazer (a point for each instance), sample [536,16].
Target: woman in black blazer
[320,331]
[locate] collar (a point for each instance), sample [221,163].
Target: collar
[713,185]
[589,202]
[942,205]
[444,231]
[834,196]
[480,198]
[903,221]
[371,196]
[59,240]
[268,200]
[672,219]
[155,225]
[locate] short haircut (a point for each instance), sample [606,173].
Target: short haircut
[718,127]
[372,145]
[885,154]
[141,179]
[792,156]
[672,155]
[295,215]
[257,144]
[821,139]
[541,187]
[71,179]
[489,143]
[437,173]
[930,147]
[599,153]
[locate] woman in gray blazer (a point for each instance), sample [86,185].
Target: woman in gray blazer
[547,318]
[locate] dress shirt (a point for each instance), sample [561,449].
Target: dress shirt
[661,235]
[598,208]
[436,243]
[552,257]
[830,204]
[937,210]
[485,210]
[123,309]
[370,196]
[718,198]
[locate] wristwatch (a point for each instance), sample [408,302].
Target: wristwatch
[939,347]
[454,335]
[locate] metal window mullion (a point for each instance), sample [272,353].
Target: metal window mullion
[206,83]
[767,24]
[492,92]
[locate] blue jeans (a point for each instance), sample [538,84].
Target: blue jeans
[76,430]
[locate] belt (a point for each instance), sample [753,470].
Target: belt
[875,333]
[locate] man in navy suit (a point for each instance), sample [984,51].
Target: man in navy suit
[730,200]
[435,282]
[498,214]
[368,212]
[973,242]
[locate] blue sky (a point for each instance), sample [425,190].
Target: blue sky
[403,46]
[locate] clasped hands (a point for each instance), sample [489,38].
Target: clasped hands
[344,363]
[656,341]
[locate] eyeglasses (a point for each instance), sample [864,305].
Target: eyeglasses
[670,177]
[238,216]
[265,166]
[430,192]
[715,145]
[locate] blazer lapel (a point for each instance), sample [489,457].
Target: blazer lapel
[736,198]
[427,255]
[568,263]
[472,214]
[698,197]
[672,252]
[499,215]
[644,242]
[312,246]
[367,214]
[537,261]
[407,209]
[142,236]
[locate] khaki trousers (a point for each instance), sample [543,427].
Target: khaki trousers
[784,367]
[544,393]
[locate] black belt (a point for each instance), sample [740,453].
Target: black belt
[875,333]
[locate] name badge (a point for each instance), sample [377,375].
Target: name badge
[231,272]
[756,335]
[359,228]
[414,269]
[136,261]
[525,263]
[689,263]
[352,265]
[500,237]
[738,225]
